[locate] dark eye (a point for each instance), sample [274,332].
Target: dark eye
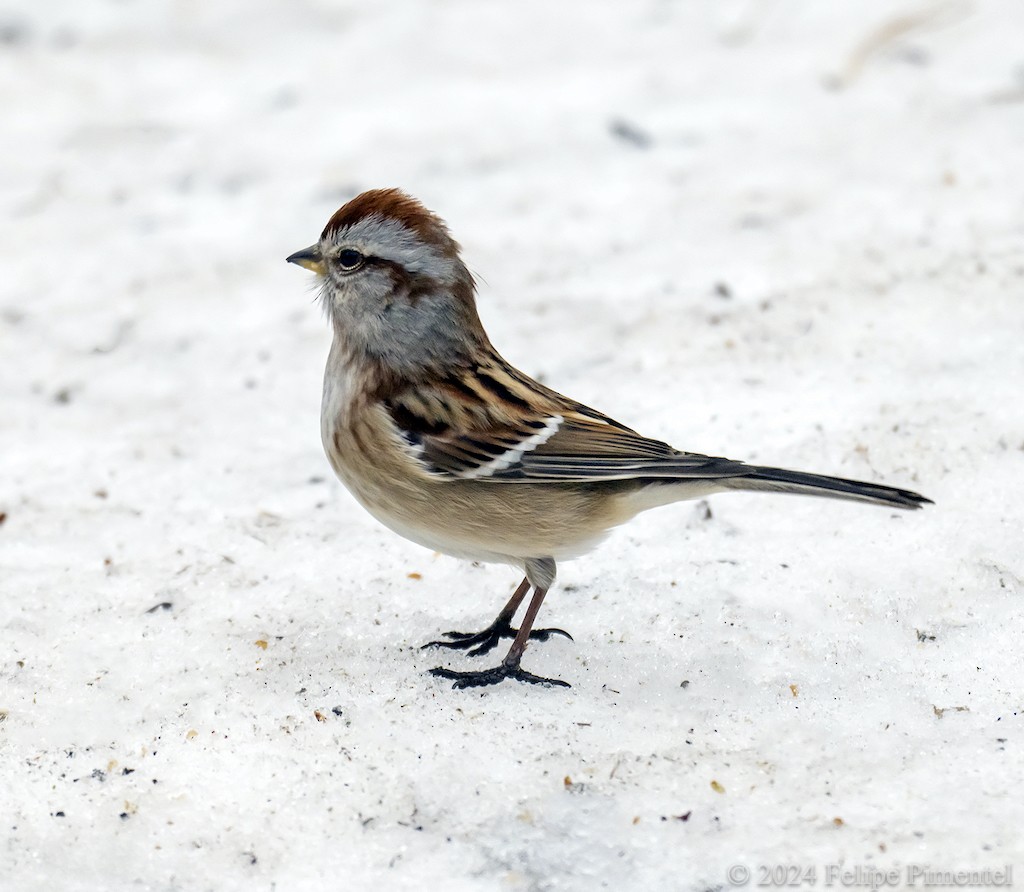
[349,259]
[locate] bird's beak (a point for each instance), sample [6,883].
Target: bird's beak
[309,258]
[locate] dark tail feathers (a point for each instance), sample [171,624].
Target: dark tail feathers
[779,480]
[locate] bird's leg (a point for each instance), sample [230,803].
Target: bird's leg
[478,643]
[509,667]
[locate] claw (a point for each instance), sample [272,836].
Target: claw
[545,634]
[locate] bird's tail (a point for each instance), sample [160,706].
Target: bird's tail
[780,480]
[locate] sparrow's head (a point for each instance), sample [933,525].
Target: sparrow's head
[393,282]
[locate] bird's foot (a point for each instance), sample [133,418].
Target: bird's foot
[479,643]
[493,676]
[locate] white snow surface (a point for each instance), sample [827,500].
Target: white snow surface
[782,231]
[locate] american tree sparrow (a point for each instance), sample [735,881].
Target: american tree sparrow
[447,444]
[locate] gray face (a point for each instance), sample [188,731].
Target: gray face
[396,296]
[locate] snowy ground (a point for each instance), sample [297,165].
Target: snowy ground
[790,232]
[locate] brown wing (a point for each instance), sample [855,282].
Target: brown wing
[494,424]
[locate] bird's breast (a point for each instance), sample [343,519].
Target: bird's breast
[472,519]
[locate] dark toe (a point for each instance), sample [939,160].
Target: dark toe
[484,647]
[478,643]
[494,676]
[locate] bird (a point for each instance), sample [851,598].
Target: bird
[450,446]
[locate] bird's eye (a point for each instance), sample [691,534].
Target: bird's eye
[349,259]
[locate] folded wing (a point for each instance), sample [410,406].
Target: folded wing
[498,426]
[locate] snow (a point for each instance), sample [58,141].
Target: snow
[785,232]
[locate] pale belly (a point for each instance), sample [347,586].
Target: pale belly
[472,519]
[490,522]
